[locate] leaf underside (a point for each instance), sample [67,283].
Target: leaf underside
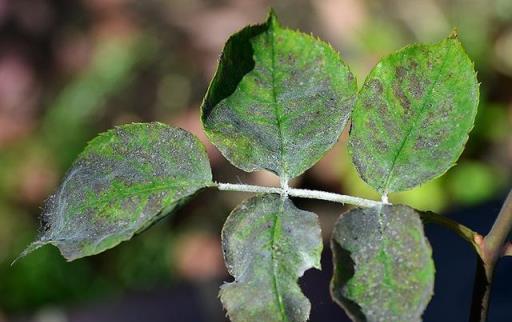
[383,268]
[268,244]
[413,115]
[125,180]
[279,99]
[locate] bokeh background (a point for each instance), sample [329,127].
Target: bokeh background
[70,69]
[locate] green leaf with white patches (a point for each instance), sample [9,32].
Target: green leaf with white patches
[268,244]
[383,268]
[278,101]
[125,180]
[413,115]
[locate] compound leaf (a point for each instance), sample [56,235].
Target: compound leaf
[268,244]
[383,268]
[278,101]
[124,180]
[413,115]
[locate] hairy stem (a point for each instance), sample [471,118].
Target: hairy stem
[301,193]
[247,188]
[428,217]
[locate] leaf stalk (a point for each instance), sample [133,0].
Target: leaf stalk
[301,193]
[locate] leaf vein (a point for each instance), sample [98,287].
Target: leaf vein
[277,110]
[413,125]
[273,247]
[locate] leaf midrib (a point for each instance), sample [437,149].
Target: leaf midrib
[141,191]
[276,107]
[413,125]
[388,269]
[275,284]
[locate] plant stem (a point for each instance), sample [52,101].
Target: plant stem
[461,230]
[464,232]
[301,193]
[481,291]
[247,188]
[508,249]
[495,240]
[492,248]
[334,197]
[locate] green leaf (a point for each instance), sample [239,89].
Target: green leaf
[279,99]
[383,268]
[268,244]
[413,115]
[124,180]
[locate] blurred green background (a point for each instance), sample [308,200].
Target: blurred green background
[71,69]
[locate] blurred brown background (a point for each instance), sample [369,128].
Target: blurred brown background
[71,69]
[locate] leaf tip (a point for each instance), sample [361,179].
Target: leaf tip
[30,248]
[272,18]
[454,34]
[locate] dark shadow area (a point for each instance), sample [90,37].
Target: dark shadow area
[235,62]
[455,269]
[342,275]
[179,304]
[455,266]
